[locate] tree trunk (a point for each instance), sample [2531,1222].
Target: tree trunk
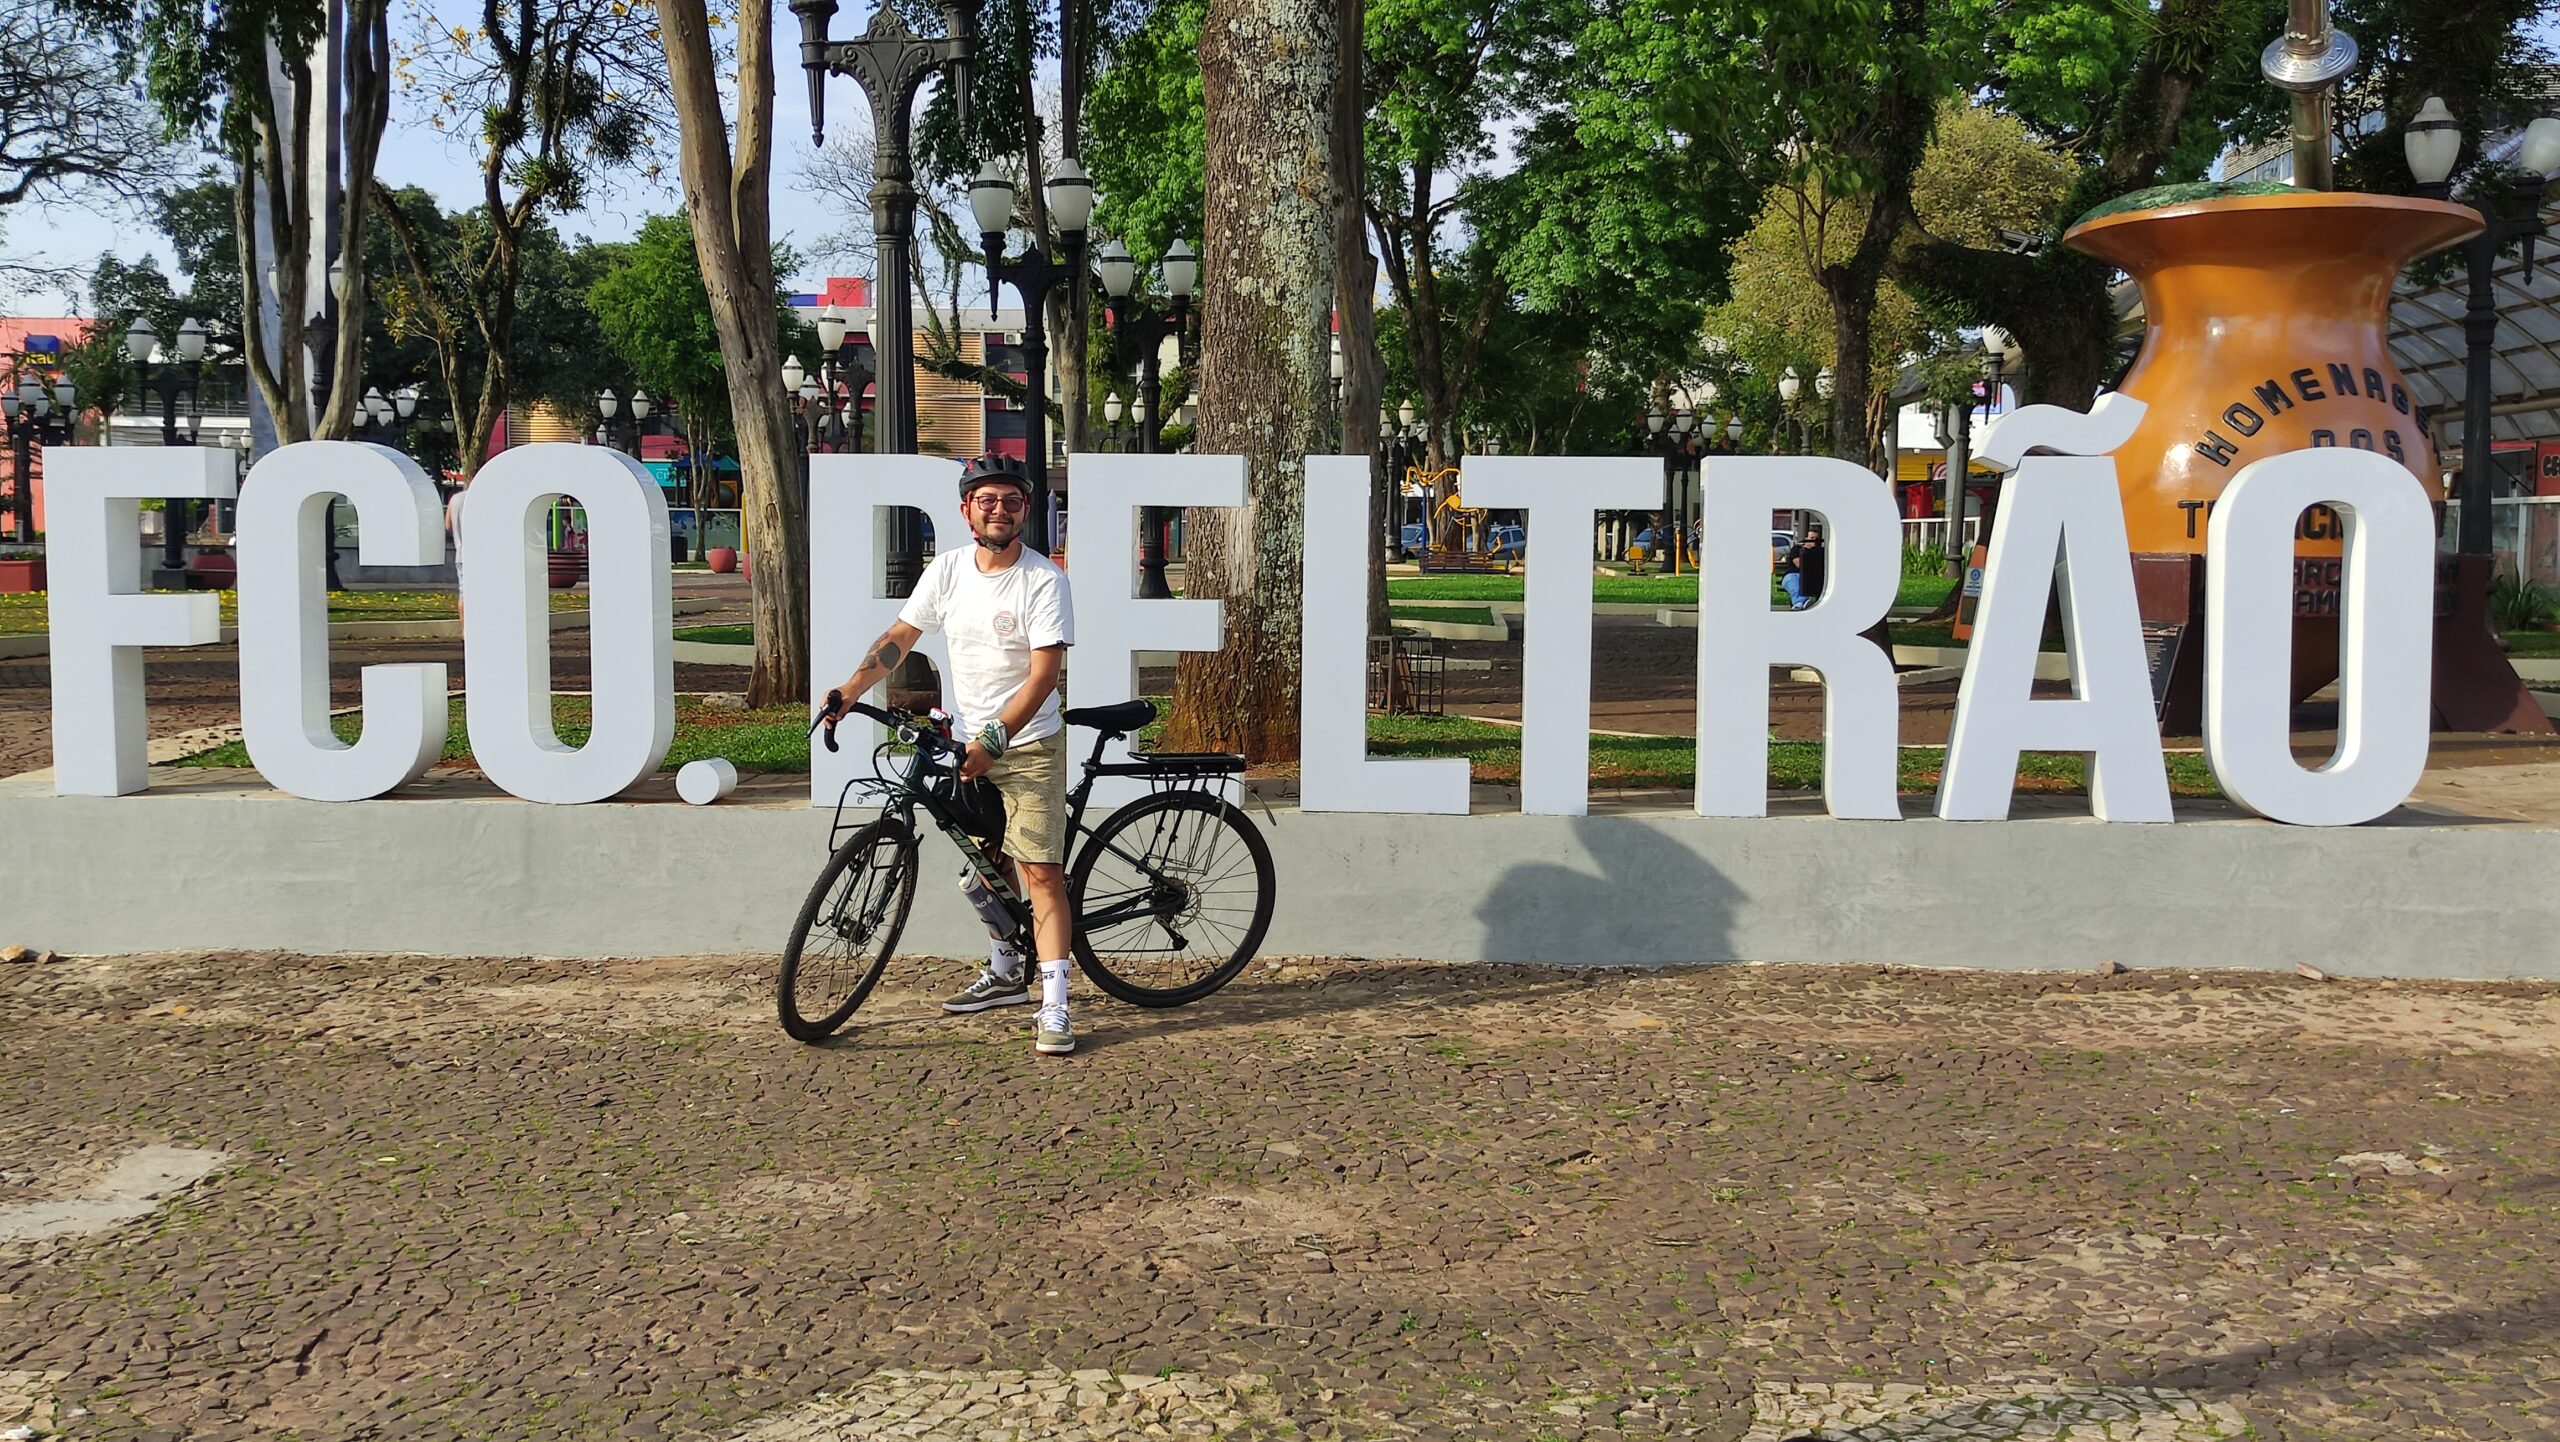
[730,198]
[1268,69]
[1068,307]
[1355,281]
[368,72]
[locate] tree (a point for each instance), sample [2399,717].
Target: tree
[561,91]
[1833,102]
[208,67]
[70,121]
[655,314]
[1267,69]
[728,187]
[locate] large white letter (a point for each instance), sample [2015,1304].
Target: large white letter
[1561,494]
[506,631]
[2385,644]
[100,618]
[1334,769]
[1112,624]
[2061,526]
[284,621]
[1740,637]
[850,501]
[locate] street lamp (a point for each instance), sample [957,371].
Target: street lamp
[891,63]
[34,417]
[1033,274]
[171,380]
[1140,326]
[2433,143]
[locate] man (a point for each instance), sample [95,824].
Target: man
[1007,617]
[1807,569]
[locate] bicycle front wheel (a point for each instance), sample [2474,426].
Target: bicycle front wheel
[1171,894]
[847,930]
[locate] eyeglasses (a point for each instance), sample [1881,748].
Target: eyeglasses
[998,503]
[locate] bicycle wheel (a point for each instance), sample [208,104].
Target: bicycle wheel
[847,929]
[1172,894]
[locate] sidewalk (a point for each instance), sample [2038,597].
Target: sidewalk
[609,1200]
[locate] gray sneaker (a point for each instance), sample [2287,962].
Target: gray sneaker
[991,990]
[1051,1035]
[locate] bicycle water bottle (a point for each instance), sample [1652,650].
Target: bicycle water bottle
[991,907]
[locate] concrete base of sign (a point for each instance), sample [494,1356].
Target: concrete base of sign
[450,868]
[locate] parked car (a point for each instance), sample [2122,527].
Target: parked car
[1782,544]
[1511,543]
[1412,539]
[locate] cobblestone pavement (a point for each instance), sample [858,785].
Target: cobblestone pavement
[553,1199]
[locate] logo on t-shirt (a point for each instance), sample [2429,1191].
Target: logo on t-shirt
[1007,625]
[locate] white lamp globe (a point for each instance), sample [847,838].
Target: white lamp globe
[830,328]
[640,404]
[793,372]
[1790,386]
[607,403]
[1070,193]
[991,200]
[2540,152]
[1181,270]
[140,341]
[1119,272]
[2433,141]
[191,341]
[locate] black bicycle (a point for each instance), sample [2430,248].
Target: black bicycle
[1172,892]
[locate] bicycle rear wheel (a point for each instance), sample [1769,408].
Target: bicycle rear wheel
[1172,894]
[847,930]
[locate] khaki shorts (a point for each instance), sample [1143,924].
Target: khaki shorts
[1033,780]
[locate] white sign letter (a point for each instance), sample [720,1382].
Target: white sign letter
[1334,769]
[849,606]
[2385,644]
[2062,526]
[1561,495]
[1740,637]
[506,632]
[284,621]
[1112,624]
[98,614]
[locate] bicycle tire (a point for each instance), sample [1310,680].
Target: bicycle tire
[880,895]
[1201,849]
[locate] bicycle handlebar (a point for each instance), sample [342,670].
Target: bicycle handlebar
[908,725]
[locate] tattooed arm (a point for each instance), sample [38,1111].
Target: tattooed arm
[893,647]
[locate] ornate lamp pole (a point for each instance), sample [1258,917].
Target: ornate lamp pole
[1033,275]
[890,63]
[1139,329]
[34,416]
[847,367]
[171,380]
[2434,142]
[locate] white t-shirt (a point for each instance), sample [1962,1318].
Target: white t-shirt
[991,623]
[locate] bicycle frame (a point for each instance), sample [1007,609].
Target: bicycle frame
[929,756]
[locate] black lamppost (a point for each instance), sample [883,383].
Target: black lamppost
[1140,325]
[171,380]
[1032,275]
[890,63]
[848,366]
[2434,142]
[35,416]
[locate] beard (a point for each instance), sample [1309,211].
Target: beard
[997,531]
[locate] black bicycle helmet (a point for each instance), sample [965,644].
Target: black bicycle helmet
[993,468]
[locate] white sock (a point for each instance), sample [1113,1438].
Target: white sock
[1004,959]
[1053,983]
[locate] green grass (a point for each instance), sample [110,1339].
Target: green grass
[2534,645]
[719,635]
[776,739]
[1454,615]
[23,614]
[1916,591]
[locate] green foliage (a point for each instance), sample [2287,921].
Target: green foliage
[2521,605]
[1147,132]
[653,311]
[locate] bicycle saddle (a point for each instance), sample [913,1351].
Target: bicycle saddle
[1117,720]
